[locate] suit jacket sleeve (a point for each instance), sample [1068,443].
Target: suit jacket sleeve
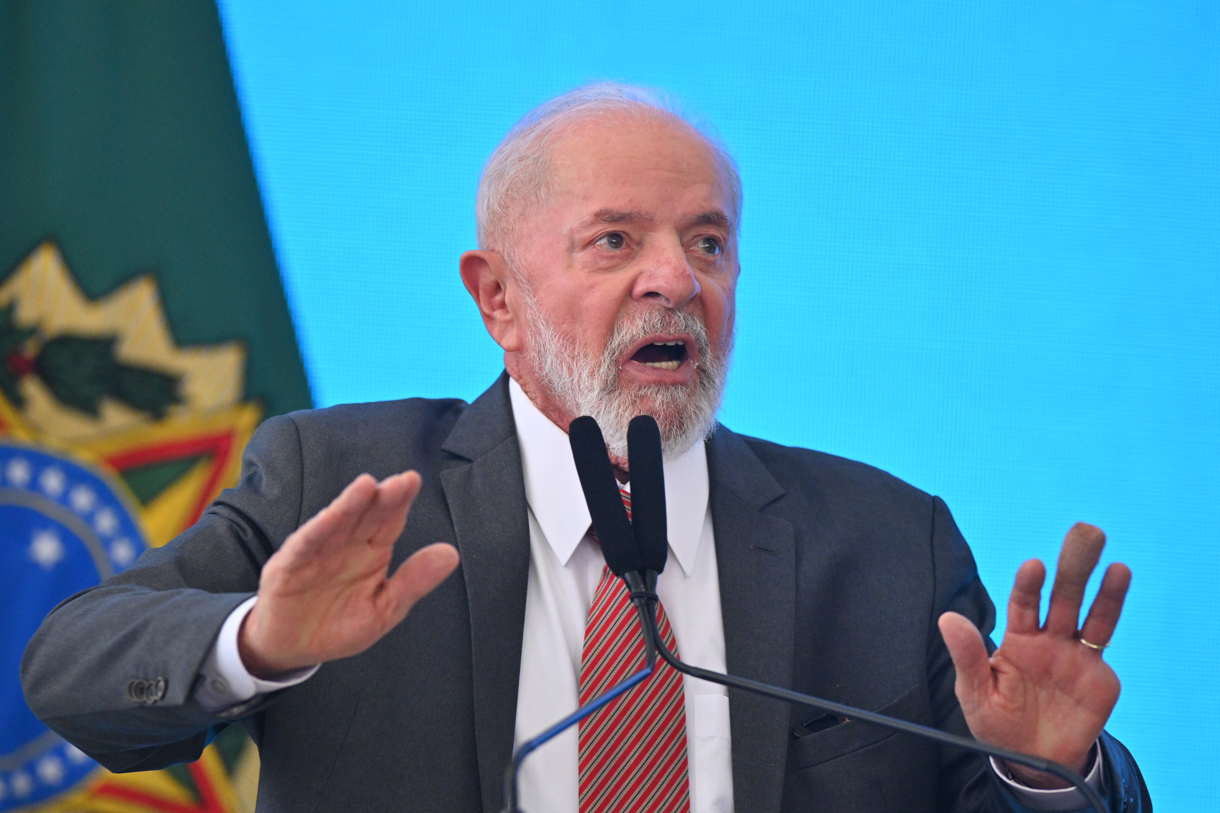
[156,622]
[965,787]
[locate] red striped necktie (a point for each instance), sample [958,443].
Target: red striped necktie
[633,752]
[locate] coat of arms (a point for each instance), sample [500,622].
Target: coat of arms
[112,439]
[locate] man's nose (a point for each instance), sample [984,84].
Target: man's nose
[667,276]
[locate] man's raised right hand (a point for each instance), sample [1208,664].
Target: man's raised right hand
[325,594]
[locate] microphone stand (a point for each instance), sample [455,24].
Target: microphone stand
[645,594]
[512,773]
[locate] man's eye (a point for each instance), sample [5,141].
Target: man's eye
[710,246]
[613,241]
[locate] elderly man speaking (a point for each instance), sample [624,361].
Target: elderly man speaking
[397,592]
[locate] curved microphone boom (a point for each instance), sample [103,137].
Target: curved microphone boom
[646,468]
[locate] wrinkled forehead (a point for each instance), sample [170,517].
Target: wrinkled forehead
[607,160]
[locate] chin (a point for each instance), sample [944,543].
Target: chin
[685,415]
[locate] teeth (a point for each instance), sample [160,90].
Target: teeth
[670,344]
[664,365]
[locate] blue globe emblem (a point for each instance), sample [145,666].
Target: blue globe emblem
[63,527]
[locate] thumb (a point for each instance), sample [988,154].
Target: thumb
[416,577]
[969,654]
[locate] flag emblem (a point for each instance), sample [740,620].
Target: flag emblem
[63,527]
[113,439]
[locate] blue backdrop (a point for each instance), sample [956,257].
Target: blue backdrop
[981,250]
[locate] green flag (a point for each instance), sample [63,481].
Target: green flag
[144,332]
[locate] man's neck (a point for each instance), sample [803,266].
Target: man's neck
[551,407]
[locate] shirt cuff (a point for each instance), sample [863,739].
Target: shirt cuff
[1057,800]
[226,682]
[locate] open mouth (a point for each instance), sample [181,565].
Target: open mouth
[667,355]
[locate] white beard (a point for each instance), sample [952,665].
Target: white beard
[585,385]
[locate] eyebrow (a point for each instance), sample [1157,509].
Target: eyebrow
[615,216]
[712,217]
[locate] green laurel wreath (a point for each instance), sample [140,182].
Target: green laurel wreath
[79,371]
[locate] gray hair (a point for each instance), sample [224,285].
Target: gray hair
[518,171]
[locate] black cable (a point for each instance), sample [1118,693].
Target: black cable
[776,693]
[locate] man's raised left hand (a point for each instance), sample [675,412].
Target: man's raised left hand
[1043,692]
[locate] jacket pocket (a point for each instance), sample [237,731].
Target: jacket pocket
[845,738]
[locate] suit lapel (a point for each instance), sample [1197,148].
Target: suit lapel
[486,494]
[756,558]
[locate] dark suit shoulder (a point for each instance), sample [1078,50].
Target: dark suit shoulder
[876,521]
[805,472]
[386,418]
[322,450]
[376,433]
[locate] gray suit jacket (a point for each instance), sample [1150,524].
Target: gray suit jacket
[832,577]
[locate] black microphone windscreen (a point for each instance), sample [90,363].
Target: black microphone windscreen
[602,495]
[648,519]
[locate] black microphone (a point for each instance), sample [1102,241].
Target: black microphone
[646,467]
[635,549]
[614,531]
[648,519]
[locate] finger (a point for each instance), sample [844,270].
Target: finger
[401,499]
[969,655]
[387,514]
[1025,602]
[1081,549]
[416,577]
[1108,606]
[336,520]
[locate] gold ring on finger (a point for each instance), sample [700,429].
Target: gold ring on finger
[1091,645]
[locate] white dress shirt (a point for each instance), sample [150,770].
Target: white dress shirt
[565,567]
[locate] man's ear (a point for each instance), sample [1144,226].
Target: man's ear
[488,278]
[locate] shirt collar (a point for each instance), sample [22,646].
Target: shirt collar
[552,487]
